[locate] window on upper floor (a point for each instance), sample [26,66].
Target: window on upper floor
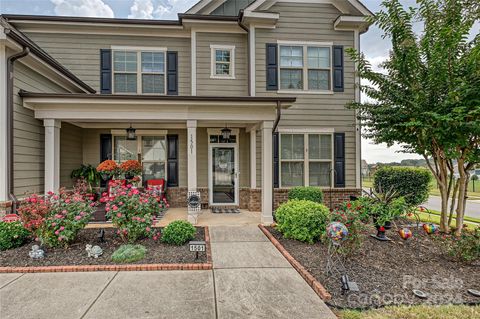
[223,61]
[306,159]
[305,67]
[140,72]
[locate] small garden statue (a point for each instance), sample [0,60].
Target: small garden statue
[36,252]
[93,251]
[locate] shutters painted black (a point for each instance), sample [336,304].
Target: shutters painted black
[172,160]
[272,66]
[172,73]
[338,83]
[276,163]
[105,150]
[105,71]
[339,161]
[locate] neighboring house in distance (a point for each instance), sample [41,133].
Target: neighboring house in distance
[365,169]
[273,75]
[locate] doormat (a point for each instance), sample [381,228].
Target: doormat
[223,210]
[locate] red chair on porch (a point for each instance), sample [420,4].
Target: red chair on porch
[157,186]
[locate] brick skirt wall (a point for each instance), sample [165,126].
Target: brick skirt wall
[251,199]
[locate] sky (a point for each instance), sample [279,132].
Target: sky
[375,48]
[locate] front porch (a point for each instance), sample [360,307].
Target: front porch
[178,139]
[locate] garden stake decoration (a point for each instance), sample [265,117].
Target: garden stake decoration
[337,233]
[430,228]
[405,233]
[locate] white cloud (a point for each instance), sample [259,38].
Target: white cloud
[82,8]
[141,9]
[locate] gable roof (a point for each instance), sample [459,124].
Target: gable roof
[24,41]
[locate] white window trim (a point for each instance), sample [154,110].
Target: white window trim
[306,161]
[304,68]
[139,134]
[139,72]
[213,62]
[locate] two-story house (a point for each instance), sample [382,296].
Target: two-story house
[237,99]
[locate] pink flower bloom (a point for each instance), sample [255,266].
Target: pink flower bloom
[55,197]
[143,220]
[67,201]
[60,238]
[54,224]
[57,232]
[50,193]
[78,217]
[107,209]
[64,211]
[119,215]
[115,207]
[120,203]
[62,228]
[92,204]
[147,229]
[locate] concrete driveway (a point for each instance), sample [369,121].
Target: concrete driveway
[472,209]
[250,279]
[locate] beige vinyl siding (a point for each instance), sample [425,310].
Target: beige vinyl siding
[312,22]
[28,133]
[81,53]
[71,152]
[222,87]
[258,154]
[244,158]
[91,149]
[202,157]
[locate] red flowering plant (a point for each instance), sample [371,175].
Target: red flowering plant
[354,216]
[132,212]
[108,168]
[64,215]
[131,168]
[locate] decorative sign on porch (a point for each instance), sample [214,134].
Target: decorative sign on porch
[196,247]
[194,201]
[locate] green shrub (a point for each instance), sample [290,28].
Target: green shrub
[411,183]
[466,247]
[302,220]
[129,253]
[313,194]
[178,232]
[12,235]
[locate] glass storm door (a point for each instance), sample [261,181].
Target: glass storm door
[154,157]
[223,175]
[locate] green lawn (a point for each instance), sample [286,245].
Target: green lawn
[415,312]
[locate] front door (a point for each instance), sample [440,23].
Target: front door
[223,174]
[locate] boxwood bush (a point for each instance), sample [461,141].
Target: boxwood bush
[178,232]
[302,220]
[12,235]
[129,253]
[313,194]
[411,183]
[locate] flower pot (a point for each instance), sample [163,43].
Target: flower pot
[381,232]
[388,225]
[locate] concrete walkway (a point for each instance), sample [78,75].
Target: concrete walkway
[250,279]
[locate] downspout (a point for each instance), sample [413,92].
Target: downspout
[10,68]
[275,125]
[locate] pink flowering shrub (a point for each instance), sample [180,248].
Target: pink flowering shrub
[132,212]
[64,215]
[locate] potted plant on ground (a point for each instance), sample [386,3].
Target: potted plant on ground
[90,176]
[130,169]
[107,169]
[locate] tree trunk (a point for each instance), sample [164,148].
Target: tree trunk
[440,172]
[462,195]
[452,204]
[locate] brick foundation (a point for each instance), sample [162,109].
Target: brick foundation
[5,208]
[251,199]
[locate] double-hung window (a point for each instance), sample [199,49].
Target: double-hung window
[306,159]
[223,61]
[139,71]
[305,67]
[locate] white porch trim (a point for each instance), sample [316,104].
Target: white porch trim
[3,122]
[192,154]
[52,155]
[267,172]
[253,158]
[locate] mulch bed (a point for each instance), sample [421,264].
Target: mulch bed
[75,254]
[382,268]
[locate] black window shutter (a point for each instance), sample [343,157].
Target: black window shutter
[276,163]
[339,164]
[338,68]
[272,66]
[172,73]
[105,151]
[105,71]
[172,160]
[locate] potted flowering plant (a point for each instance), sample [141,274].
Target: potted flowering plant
[108,169]
[132,212]
[131,168]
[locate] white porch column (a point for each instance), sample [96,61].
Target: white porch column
[192,154]
[267,172]
[253,158]
[3,121]
[52,154]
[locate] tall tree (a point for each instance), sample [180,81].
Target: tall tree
[427,97]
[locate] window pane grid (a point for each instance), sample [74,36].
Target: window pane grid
[223,61]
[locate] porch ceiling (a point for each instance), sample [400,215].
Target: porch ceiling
[94,107]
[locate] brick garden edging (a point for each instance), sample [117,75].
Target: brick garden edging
[135,267]
[311,281]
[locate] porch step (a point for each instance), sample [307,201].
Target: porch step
[225,210]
